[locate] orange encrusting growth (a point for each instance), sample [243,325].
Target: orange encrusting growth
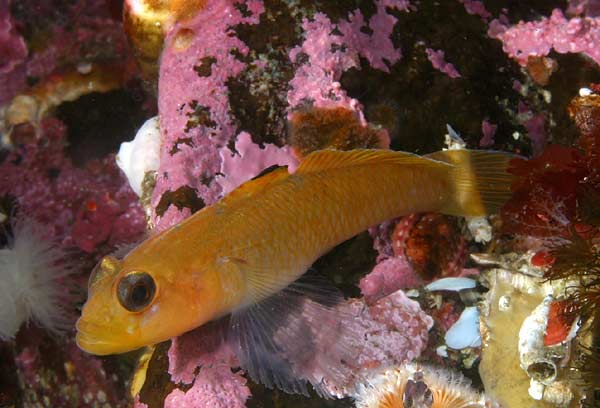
[265,234]
[313,129]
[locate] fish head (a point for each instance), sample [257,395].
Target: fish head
[132,304]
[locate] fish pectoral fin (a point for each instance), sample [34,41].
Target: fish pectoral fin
[293,338]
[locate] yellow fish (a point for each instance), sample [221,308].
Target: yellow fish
[255,242]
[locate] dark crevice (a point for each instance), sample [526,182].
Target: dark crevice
[183,197]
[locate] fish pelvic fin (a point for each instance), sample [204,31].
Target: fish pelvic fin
[295,338]
[479,181]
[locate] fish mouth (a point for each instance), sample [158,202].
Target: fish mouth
[88,340]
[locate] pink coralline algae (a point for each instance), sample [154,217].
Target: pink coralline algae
[407,328]
[387,331]
[476,7]
[376,47]
[14,51]
[327,56]
[83,31]
[80,380]
[249,160]
[214,383]
[204,346]
[436,57]
[83,207]
[214,387]
[538,38]
[390,331]
[488,130]
[535,123]
[387,277]
[194,108]
[381,239]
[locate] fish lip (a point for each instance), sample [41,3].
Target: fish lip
[91,343]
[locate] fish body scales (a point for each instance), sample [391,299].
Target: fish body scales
[306,215]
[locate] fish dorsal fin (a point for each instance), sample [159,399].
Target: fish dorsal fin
[280,340]
[256,185]
[337,159]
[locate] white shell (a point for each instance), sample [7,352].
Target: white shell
[453,284]
[141,155]
[465,332]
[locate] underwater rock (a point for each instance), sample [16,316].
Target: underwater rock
[515,370]
[194,109]
[235,73]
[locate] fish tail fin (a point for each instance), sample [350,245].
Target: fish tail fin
[479,179]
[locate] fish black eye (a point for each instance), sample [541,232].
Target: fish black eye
[136,291]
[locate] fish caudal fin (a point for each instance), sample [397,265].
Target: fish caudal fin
[479,181]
